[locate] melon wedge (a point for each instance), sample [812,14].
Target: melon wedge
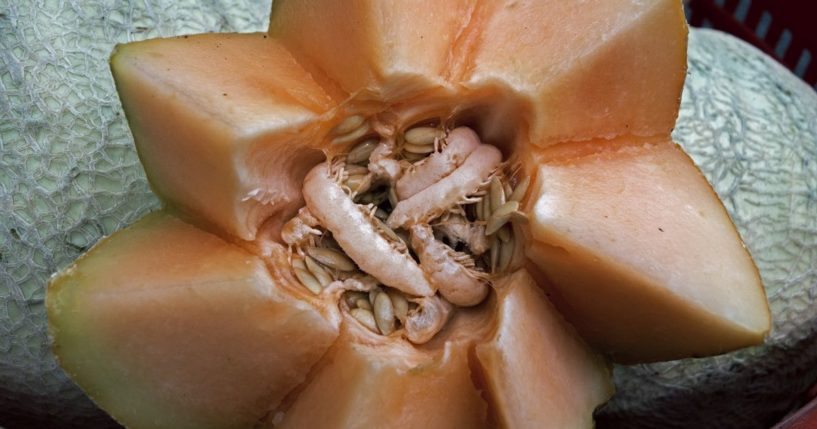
[534,353]
[600,68]
[220,124]
[641,255]
[164,325]
[389,51]
[368,382]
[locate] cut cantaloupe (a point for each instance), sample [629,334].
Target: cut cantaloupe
[641,254]
[165,325]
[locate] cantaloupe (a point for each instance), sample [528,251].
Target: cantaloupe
[479,113]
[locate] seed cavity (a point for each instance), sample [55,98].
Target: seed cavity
[407,225]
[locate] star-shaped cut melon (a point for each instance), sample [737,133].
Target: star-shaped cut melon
[193,317]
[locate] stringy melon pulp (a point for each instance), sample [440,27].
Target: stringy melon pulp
[280,300]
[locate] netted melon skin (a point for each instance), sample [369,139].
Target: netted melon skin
[751,126]
[69,175]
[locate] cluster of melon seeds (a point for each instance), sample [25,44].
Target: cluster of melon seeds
[408,226]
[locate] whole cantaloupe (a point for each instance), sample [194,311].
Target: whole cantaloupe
[751,125]
[31,251]
[68,170]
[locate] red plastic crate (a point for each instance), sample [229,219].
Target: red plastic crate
[805,417]
[784,29]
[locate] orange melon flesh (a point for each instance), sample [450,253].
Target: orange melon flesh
[165,325]
[370,382]
[515,351]
[601,68]
[641,254]
[221,124]
[580,70]
[539,374]
[392,50]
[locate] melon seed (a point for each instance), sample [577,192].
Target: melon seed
[401,305]
[352,136]
[505,254]
[504,233]
[501,216]
[384,313]
[331,258]
[361,152]
[497,194]
[348,125]
[365,317]
[419,149]
[356,170]
[520,190]
[320,274]
[393,200]
[308,280]
[422,136]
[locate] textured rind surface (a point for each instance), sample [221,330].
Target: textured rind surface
[752,128]
[69,175]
